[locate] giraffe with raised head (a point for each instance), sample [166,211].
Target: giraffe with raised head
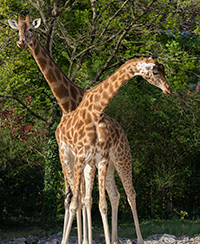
[67,94]
[87,135]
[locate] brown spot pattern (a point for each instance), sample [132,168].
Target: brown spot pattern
[50,76]
[37,50]
[73,91]
[44,54]
[42,63]
[60,91]
[96,98]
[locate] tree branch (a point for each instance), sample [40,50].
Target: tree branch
[125,31]
[25,106]
[38,7]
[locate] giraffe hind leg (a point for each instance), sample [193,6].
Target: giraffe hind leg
[89,173]
[131,195]
[114,197]
[102,168]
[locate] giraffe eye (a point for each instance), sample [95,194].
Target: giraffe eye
[17,31]
[31,29]
[155,73]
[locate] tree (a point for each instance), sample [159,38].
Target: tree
[89,40]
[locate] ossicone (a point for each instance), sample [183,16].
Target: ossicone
[154,55]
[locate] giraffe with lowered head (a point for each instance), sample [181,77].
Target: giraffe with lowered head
[88,134]
[98,143]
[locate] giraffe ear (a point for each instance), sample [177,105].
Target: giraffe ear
[148,66]
[36,23]
[13,24]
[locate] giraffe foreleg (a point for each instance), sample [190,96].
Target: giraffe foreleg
[67,201]
[79,164]
[67,162]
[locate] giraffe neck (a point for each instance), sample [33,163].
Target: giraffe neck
[66,93]
[101,95]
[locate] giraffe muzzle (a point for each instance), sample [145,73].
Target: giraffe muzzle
[21,44]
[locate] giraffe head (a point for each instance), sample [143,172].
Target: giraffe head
[154,73]
[25,30]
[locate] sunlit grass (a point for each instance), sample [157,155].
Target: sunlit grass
[174,226]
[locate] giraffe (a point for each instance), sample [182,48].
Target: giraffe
[68,97]
[88,135]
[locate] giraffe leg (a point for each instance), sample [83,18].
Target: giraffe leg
[84,211]
[68,197]
[102,168]
[89,173]
[79,226]
[126,178]
[66,217]
[85,224]
[114,199]
[132,202]
[78,172]
[67,162]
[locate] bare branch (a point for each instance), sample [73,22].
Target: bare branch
[111,18]
[65,6]
[94,10]
[125,31]
[49,9]
[25,106]
[39,8]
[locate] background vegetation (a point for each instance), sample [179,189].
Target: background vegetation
[89,40]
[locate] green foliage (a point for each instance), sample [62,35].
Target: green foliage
[19,180]
[163,131]
[52,176]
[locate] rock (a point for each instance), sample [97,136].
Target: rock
[99,238]
[128,241]
[167,239]
[21,240]
[31,240]
[42,241]
[73,240]
[155,237]
[54,239]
